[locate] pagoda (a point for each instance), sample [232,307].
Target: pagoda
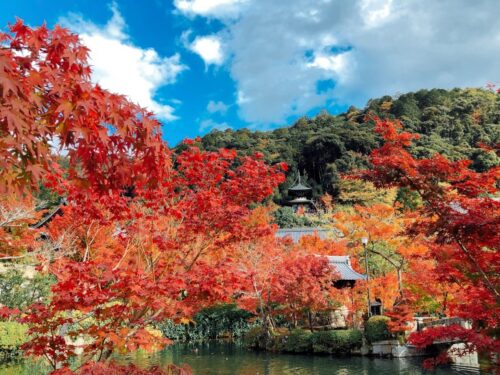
[300,195]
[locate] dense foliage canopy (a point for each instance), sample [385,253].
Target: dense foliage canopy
[456,123]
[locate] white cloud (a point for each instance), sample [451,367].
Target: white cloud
[375,12]
[209,48]
[209,124]
[210,8]
[241,98]
[122,67]
[280,50]
[337,64]
[217,107]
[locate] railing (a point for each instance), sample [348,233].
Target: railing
[427,321]
[443,322]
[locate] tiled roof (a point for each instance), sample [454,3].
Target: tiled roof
[297,233]
[343,266]
[48,217]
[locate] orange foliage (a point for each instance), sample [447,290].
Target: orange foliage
[17,213]
[459,218]
[315,245]
[291,277]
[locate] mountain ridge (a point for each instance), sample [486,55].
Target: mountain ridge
[453,122]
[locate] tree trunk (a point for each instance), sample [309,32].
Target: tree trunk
[400,282]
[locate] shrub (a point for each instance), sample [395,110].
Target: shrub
[223,319]
[19,291]
[253,338]
[285,217]
[210,323]
[12,335]
[258,338]
[339,342]
[298,341]
[176,332]
[376,328]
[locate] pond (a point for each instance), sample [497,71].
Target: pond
[216,358]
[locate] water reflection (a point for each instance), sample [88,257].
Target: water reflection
[216,358]
[228,358]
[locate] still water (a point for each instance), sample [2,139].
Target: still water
[228,358]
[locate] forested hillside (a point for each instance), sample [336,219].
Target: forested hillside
[459,123]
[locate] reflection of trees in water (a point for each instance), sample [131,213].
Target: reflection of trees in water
[219,358]
[215,358]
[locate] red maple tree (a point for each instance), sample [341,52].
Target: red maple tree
[49,103]
[459,218]
[146,234]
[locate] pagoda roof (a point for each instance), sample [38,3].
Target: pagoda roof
[300,200]
[300,187]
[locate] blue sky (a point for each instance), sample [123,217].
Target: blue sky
[216,64]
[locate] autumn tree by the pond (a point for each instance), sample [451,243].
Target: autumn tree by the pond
[353,298]
[460,218]
[165,255]
[139,240]
[307,286]
[283,279]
